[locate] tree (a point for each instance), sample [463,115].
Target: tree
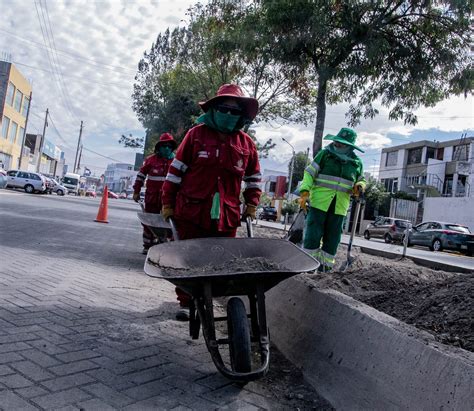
[131,142]
[402,54]
[188,64]
[375,197]
[301,161]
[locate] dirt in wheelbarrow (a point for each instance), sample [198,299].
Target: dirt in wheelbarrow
[439,302]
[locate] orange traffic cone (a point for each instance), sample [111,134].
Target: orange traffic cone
[102,213]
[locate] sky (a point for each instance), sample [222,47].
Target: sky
[88,75]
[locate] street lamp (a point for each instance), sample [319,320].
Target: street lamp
[291,168]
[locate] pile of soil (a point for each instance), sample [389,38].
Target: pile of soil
[439,302]
[234,265]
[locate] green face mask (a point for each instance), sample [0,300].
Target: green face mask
[226,122]
[343,150]
[165,151]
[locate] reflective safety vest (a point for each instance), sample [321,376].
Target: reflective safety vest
[328,177]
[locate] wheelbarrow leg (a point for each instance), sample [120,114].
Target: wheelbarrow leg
[254,316]
[194,320]
[262,323]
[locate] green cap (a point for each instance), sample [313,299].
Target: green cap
[345,136]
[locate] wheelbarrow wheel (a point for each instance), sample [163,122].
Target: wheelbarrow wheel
[239,336]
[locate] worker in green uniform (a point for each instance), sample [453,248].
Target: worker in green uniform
[334,175]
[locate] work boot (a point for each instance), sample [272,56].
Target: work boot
[324,268]
[182,315]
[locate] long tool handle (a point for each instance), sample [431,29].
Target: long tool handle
[142,206]
[354,225]
[248,221]
[173,229]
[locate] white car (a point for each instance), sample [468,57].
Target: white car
[59,189]
[30,182]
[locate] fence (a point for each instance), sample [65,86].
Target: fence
[404,209]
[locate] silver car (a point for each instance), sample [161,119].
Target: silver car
[59,189]
[30,182]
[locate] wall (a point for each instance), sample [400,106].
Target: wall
[450,209]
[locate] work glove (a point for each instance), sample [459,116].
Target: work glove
[358,189]
[304,196]
[136,197]
[250,211]
[167,212]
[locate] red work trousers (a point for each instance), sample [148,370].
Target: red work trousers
[187,231]
[150,207]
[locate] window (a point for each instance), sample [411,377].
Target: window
[459,228]
[20,134]
[460,153]
[35,176]
[13,130]
[26,105]
[430,153]
[5,124]
[391,184]
[22,174]
[18,98]
[423,226]
[448,185]
[11,173]
[440,154]
[392,158]
[10,93]
[414,155]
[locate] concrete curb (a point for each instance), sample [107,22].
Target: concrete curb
[360,358]
[435,265]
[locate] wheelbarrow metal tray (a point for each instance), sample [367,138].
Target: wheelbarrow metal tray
[185,263]
[155,222]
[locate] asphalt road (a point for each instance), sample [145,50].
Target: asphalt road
[446,257]
[83,328]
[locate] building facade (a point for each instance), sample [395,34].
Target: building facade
[51,161]
[119,177]
[429,168]
[15,94]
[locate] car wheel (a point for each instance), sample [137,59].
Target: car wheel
[436,245]
[367,235]
[60,192]
[388,238]
[29,189]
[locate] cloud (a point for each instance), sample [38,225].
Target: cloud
[372,140]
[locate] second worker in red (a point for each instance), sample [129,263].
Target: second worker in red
[203,185]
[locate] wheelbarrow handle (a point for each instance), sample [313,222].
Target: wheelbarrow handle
[173,229]
[142,205]
[248,221]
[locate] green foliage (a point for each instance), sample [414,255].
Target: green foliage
[290,207]
[375,198]
[401,53]
[301,161]
[403,195]
[265,200]
[223,42]
[131,142]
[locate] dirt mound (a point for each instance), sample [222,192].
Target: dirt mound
[439,302]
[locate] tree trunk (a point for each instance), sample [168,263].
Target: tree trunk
[320,114]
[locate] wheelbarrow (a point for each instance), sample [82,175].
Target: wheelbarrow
[208,268]
[160,228]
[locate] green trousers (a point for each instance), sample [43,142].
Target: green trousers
[325,226]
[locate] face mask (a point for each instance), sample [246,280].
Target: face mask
[165,151]
[343,150]
[226,122]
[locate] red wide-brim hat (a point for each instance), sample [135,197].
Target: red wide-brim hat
[168,139]
[249,104]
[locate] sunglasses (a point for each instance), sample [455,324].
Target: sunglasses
[222,108]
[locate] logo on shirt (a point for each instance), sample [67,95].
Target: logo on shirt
[203,154]
[240,163]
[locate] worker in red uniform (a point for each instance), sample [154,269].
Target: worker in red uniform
[204,182]
[154,170]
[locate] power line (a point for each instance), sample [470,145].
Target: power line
[101,155]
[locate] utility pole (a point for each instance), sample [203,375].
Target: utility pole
[78,147]
[24,133]
[292,165]
[79,160]
[40,150]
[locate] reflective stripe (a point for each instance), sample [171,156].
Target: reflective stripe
[340,180]
[173,178]
[327,259]
[313,253]
[310,170]
[179,165]
[256,176]
[141,175]
[332,186]
[251,185]
[315,165]
[156,178]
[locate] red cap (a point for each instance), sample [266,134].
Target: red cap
[166,138]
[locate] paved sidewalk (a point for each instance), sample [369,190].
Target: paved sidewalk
[82,327]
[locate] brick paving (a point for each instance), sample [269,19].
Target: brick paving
[83,328]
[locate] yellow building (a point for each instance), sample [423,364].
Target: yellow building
[15,93]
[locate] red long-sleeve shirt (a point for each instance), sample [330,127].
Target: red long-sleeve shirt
[208,162]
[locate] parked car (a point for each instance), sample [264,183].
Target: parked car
[268,213]
[112,195]
[49,185]
[30,182]
[440,236]
[59,189]
[123,195]
[388,228]
[91,193]
[3,178]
